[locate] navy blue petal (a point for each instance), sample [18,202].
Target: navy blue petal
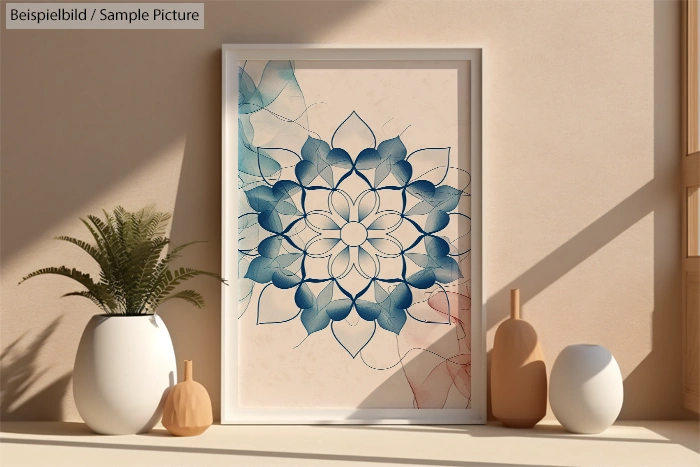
[447,271]
[437,220]
[270,221]
[421,189]
[392,320]
[270,247]
[403,171]
[401,296]
[392,150]
[261,270]
[368,311]
[339,309]
[446,198]
[261,198]
[339,157]
[436,247]
[284,279]
[305,172]
[314,319]
[314,150]
[422,279]
[285,189]
[368,159]
[303,297]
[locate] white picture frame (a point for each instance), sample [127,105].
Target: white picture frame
[231,413]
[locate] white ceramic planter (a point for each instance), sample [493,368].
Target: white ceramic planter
[585,389]
[123,369]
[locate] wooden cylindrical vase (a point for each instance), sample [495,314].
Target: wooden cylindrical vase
[518,372]
[187,410]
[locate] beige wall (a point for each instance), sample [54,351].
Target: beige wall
[581,143]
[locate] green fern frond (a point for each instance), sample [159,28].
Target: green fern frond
[80,277]
[96,254]
[90,297]
[135,275]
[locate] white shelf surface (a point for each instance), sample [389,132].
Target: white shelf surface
[653,443]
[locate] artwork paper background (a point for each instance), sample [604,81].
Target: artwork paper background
[288,355]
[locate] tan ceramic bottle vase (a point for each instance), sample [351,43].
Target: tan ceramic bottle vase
[518,372]
[187,410]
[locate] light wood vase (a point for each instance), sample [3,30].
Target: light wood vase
[518,372]
[187,410]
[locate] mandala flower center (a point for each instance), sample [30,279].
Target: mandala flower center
[353,234]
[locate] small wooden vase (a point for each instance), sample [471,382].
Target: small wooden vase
[518,372]
[187,410]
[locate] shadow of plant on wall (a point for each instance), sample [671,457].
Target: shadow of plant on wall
[19,398]
[167,91]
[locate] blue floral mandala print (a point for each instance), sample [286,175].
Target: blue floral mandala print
[342,228]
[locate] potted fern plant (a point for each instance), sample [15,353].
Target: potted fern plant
[125,361]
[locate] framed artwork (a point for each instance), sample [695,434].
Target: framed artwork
[352,223]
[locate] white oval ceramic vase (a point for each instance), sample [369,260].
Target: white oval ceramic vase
[123,370]
[585,389]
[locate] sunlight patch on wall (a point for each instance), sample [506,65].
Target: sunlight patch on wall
[607,299]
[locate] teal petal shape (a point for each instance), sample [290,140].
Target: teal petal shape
[437,220]
[392,320]
[339,309]
[367,310]
[314,319]
[270,247]
[285,279]
[368,158]
[303,297]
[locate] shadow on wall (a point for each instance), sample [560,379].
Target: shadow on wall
[438,375]
[666,334]
[158,109]
[198,207]
[20,373]
[197,216]
[105,123]
[124,109]
[660,197]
